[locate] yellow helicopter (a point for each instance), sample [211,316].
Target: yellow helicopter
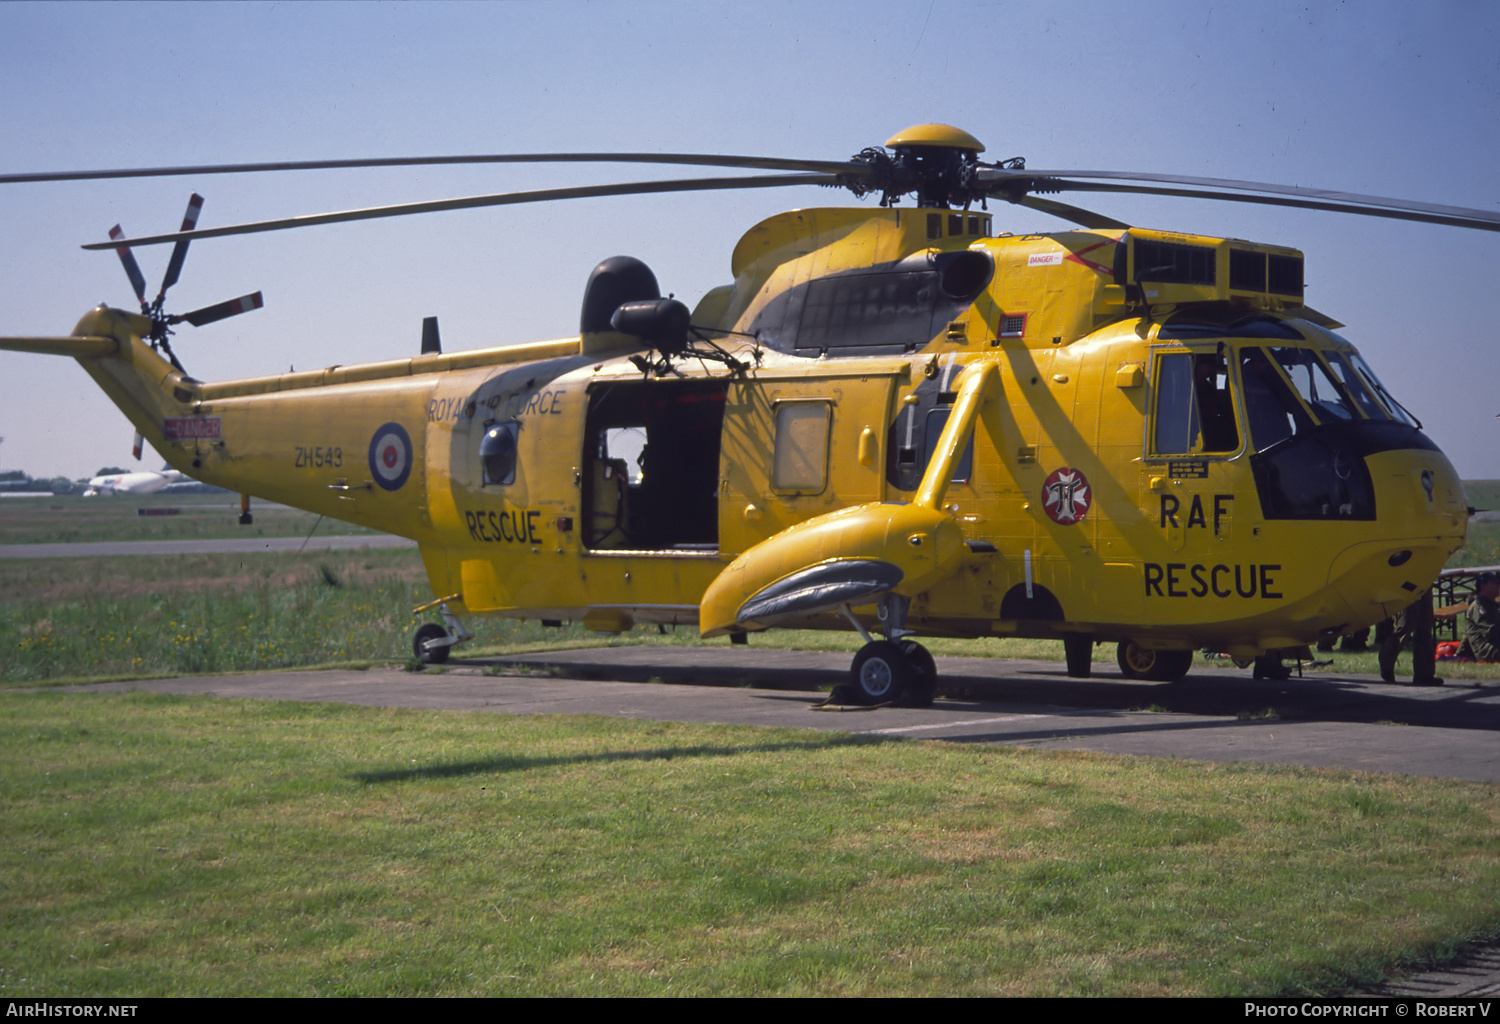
[893,420]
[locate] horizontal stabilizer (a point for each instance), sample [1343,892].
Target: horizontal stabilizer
[77,347]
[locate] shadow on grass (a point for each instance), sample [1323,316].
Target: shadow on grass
[493,765]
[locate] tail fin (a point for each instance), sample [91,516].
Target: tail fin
[108,344]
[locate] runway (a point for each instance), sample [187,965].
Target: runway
[1350,722]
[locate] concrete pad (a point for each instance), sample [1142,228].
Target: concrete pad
[1353,722]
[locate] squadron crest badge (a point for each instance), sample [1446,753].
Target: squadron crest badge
[1066,496]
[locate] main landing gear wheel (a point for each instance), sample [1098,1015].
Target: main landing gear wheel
[1157,666]
[922,687]
[1270,666]
[894,672]
[1079,651]
[435,656]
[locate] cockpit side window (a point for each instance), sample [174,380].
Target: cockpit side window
[1176,412]
[1273,412]
[1215,405]
[1194,405]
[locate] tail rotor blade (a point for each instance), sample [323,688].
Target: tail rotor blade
[209,314]
[179,251]
[132,268]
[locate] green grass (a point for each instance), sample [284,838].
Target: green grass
[1482,548]
[159,846]
[1483,494]
[175,846]
[134,617]
[70,519]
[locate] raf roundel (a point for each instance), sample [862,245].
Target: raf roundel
[390,456]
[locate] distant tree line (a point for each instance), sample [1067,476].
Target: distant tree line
[15,480]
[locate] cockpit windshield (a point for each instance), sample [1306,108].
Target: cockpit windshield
[1396,408]
[1314,383]
[1372,397]
[1355,386]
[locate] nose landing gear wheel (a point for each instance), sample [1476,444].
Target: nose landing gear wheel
[435,656]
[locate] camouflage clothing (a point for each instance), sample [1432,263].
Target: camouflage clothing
[1481,631]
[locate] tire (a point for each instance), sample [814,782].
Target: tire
[1270,666]
[1079,651]
[921,688]
[436,656]
[881,673]
[1138,662]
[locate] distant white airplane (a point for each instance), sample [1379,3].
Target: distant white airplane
[143,482]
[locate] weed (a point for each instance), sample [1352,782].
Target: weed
[1268,715]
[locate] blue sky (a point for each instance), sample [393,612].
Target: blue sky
[1384,98]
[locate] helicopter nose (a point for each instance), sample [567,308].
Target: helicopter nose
[1422,519]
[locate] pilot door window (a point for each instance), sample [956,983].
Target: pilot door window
[800,463]
[1194,410]
[937,419]
[913,439]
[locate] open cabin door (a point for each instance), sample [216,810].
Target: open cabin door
[650,474]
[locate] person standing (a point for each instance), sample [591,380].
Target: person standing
[1414,621]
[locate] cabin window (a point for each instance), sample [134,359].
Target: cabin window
[497,451]
[912,442]
[1194,405]
[801,457]
[624,449]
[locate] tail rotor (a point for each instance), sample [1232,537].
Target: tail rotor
[161,321]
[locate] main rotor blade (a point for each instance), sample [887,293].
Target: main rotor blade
[1299,197]
[189,222]
[760,163]
[473,202]
[221,310]
[1077,214]
[1461,217]
[132,268]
